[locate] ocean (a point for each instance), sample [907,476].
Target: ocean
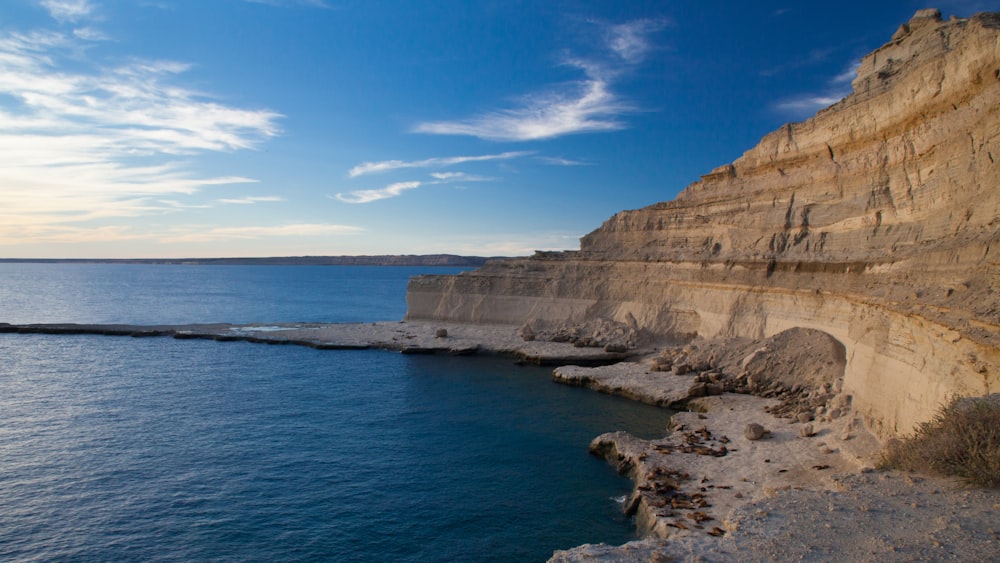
[119,448]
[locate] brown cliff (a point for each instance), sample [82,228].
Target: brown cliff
[876,221]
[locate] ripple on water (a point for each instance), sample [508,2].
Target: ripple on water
[121,448]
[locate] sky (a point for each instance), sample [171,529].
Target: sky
[212,128]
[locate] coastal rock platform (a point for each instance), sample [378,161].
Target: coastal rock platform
[403,336]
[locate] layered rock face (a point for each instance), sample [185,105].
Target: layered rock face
[876,221]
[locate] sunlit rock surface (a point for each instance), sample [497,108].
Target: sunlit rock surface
[876,221]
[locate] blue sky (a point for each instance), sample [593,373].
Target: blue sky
[200,128]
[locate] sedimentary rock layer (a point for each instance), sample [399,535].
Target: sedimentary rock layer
[876,221]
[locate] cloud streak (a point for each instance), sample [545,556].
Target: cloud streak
[448,177]
[630,41]
[591,108]
[215,234]
[584,106]
[398,188]
[805,105]
[368,196]
[68,10]
[100,142]
[250,200]
[387,165]
[560,161]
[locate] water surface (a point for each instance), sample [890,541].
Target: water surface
[118,448]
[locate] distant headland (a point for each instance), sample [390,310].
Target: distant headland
[378,260]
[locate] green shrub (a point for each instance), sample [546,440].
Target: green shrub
[962,440]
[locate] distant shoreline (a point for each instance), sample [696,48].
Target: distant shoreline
[378,260]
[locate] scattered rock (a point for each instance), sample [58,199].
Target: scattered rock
[527,334]
[807,431]
[754,431]
[441,333]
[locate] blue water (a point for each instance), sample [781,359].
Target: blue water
[167,294]
[117,448]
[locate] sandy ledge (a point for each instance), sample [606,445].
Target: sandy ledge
[704,492]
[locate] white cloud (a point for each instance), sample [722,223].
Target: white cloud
[368,196]
[387,165]
[848,75]
[504,244]
[199,233]
[65,234]
[68,10]
[250,200]
[807,104]
[591,107]
[446,177]
[174,204]
[90,34]
[559,161]
[584,106]
[630,40]
[104,142]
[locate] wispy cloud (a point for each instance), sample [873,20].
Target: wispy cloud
[447,177]
[630,41]
[505,244]
[79,143]
[848,75]
[806,104]
[65,234]
[68,10]
[250,200]
[174,204]
[398,188]
[560,161]
[90,34]
[199,233]
[387,165]
[584,106]
[368,196]
[590,108]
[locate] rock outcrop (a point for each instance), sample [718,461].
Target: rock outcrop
[876,221]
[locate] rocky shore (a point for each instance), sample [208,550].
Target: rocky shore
[768,472]
[874,221]
[404,337]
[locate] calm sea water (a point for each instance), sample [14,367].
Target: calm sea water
[116,448]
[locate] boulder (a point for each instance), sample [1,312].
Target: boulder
[754,431]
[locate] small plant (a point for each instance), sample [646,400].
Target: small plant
[962,440]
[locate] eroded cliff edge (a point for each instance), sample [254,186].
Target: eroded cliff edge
[876,221]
